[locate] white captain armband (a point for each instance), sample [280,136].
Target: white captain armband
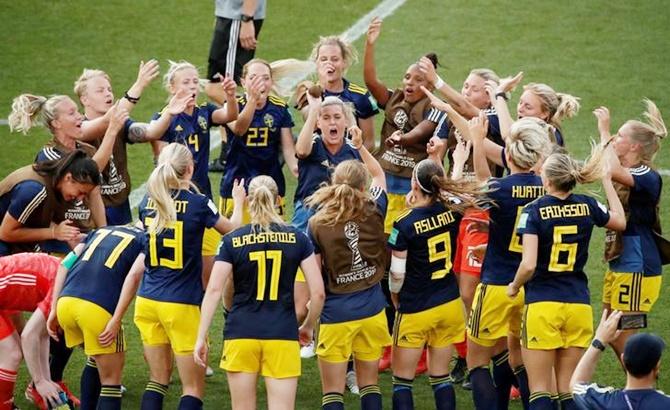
[397,274]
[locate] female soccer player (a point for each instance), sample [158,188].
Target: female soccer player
[556,230]
[91,295]
[495,320]
[256,137]
[30,197]
[429,310]
[190,127]
[333,56]
[167,309]
[633,280]
[261,330]
[347,232]
[26,282]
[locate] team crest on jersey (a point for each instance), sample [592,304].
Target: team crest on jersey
[351,232]
[202,122]
[400,119]
[269,121]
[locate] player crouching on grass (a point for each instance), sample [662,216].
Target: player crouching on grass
[26,283]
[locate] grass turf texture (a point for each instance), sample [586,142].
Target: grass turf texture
[607,53]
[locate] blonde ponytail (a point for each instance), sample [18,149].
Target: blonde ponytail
[30,110]
[528,142]
[557,105]
[262,198]
[167,177]
[563,172]
[568,107]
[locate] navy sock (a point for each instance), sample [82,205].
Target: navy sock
[59,355]
[502,378]
[541,400]
[189,403]
[522,383]
[110,397]
[402,393]
[567,402]
[555,399]
[332,401]
[350,366]
[89,386]
[371,397]
[152,399]
[443,391]
[484,393]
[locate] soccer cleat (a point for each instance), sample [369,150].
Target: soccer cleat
[34,397]
[71,397]
[422,367]
[385,361]
[467,384]
[352,383]
[307,351]
[123,389]
[514,394]
[209,372]
[459,371]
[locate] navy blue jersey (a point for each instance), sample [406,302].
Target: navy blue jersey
[23,200]
[174,257]
[350,259]
[98,275]
[319,164]
[594,397]
[256,152]
[365,106]
[503,255]
[264,268]
[639,252]
[193,131]
[428,234]
[563,228]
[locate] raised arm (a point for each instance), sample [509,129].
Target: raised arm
[498,94]
[454,98]
[619,173]
[303,146]
[617,219]
[225,225]
[104,151]
[177,105]
[478,130]
[241,124]
[230,110]
[376,87]
[375,170]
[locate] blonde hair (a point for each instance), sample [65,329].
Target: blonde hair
[454,195]
[346,198]
[173,69]
[349,54]
[245,68]
[486,74]
[563,172]
[648,134]
[263,194]
[81,85]
[529,142]
[347,108]
[29,110]
[173,162]
[558,105]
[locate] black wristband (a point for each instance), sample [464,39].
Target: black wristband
[246,18]
[598,345]
[133,100]
[503,95]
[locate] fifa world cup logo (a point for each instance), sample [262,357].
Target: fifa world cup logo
[351,232]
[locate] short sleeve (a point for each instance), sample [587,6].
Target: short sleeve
[442,129]
[226,252]
[312,239]
[646,182]
[306,247]
[211,213]
[434,115]
[286,121]
[528,221]
[380,198]
[126,130]
[397,240]
[599,212]
[26,197]
[210,112]
[494,191]
[366,106]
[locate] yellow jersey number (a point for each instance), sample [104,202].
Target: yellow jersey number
[194,141]
[175,242]
[257,137]
[100,234]
[434,255]
[515,241]
[559,246]
[261,258]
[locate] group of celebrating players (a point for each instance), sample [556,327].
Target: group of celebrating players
[394,269]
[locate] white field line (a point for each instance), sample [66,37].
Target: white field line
[353,33]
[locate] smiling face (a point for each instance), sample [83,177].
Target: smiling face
[333,123]
[67,122]
[474,92]
[411,82]
[98,96]
[530,105]
[188,81]
[262,71]
[330,64]
[72,190]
